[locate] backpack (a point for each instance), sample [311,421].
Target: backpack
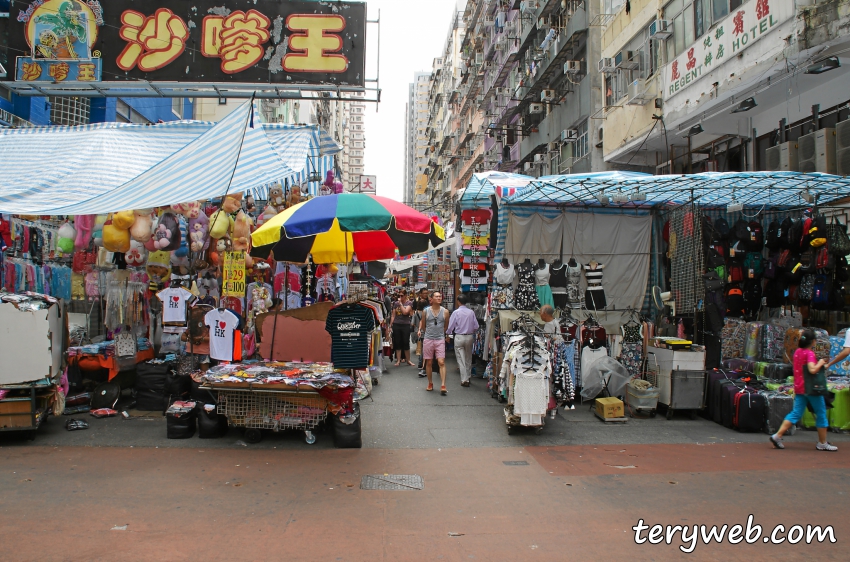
[752,296]
[806,289]
[817,232]
[755,242]
[774,294]
[795,235]
[773,235]
[823,258]
[736,273]
[721,228]
[737,250]
[735,302]
[713,282]
[820,292]
[742,230]
[785,260]
[770,267]
[784,234]
[753,265]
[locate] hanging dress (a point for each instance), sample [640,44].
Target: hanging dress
[632,354]
[503,290]
[574,285]
[525,297]
[558,284]
[594,295]
[541,285]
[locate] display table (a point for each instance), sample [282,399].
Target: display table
[94,358]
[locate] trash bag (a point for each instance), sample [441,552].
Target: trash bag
[604,370]
[105,395]
[180,424]
[211,424]
[347,430]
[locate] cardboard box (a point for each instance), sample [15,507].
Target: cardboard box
[609,408]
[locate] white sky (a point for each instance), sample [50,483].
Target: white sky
[413,33]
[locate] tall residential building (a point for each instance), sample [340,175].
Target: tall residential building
[416,141]
[694,86]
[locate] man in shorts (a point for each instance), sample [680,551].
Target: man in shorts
[432,328]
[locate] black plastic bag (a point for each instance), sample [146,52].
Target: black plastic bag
[211,424]
[347,430]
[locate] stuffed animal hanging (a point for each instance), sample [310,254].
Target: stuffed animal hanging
[141,229]
[136,255]
[85,226]
[97,230]
[199,233]
[115,239]
[167,233]
[66,236]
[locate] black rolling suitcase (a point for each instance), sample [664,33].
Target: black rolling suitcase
[750,411]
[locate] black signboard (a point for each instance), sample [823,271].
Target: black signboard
[210,41]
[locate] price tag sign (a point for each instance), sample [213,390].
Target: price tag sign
[233,275]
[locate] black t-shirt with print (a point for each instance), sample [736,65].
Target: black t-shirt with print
[350,327]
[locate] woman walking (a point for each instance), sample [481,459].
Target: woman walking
[402,313]
[805,363]
[435,320]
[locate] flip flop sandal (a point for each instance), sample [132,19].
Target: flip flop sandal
[430,387]
[443,390]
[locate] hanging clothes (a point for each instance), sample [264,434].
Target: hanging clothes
[573,273]
[594,295]
[541,285]
[526,294]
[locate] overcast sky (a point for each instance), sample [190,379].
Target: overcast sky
[413,33]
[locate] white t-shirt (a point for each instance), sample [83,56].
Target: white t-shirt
[222,325]
[174,304]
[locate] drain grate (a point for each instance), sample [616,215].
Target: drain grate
[515,463]
[392,482]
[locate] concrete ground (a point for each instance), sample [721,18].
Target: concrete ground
[122,491]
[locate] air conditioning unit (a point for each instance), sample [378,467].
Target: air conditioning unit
[539,158]
[528,166]
[660,30]
[606,65]
[479,58]
[510,26]
[547,95]
[521,122]
[624,60]
[542,24]
[501,91]
[572,67]
[535,108]
[489,19]
[488,64]
[552,148]
[638,94]
[782,157]
[842,148]
[528,6]
[569,135]
[500,46]
[816,152]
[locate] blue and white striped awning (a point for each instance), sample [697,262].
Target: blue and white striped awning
[115,166]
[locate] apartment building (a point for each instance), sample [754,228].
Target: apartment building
[725,85]
[416,140]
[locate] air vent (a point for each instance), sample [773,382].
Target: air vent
[782,158]
[842,148]
[816,152]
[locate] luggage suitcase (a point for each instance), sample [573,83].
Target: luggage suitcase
[752,347]
[760,369]
[778,405]
[732,338]
[150,385]
[738,364]
[772,342]
[714,379]
[836,347]
[779,371]
[749,411]
[728,391]
[822,345]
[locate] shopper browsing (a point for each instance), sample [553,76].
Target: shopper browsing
[463,325]
[402,313]
[805,363]
[547,314]
[432,329]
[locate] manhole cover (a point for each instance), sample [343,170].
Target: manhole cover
[515,463]
[392,482]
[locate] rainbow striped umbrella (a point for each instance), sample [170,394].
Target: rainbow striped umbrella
[333,228]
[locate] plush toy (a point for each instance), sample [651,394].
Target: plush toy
[294,196]
[97,230]
[167,234]
[199,233]
[268,213]
[190,210]
[66,237]
[141,229]
[183,250]
[261,300]
[221,246]
[232,203]
[220,224]
[115,239]
[85,226]
[158,267]
[338,187]
[123,220]
[250,206]
[136,255]
[242,232]
[276,199]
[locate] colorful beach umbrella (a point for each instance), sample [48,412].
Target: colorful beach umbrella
[334,227]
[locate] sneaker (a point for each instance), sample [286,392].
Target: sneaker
[826,447]
[777,442]
[422,374]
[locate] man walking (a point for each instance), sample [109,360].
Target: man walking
[420,304]
[432,328]
[463,325]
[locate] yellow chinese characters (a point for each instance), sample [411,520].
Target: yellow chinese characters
[237,39]
[86,72]
[31,71]
[152,42]
[58,71]
[314,43]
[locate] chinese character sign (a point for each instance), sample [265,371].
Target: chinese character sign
[740,29]
[233,274]
[211,41]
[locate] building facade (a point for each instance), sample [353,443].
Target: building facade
[416,141]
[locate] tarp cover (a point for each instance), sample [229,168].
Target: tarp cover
[118,166]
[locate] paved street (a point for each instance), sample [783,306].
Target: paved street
[121,491]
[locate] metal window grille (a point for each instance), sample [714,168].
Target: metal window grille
[686,258]
[69,110]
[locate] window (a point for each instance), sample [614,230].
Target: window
[612,6]
[69,110]
[126,114]
[691,19]
[177,107]
[5,93]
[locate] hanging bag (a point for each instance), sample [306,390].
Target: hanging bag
[837,239]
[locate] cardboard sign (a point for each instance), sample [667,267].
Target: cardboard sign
[233,275]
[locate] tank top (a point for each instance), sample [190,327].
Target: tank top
[559,277]
[435,327]
[504,275]
[541,276]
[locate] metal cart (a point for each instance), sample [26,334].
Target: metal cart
[25,413]
[257,409]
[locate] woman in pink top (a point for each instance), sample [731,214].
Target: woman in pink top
[804,358]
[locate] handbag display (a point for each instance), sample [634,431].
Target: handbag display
[837,240]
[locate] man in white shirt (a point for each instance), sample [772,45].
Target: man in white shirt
[547,314]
